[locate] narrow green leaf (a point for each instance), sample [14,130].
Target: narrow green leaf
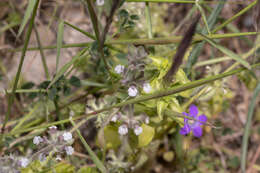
[211,22]
[203,17]
[228,52]
[59,42]
[27,15]
[247,127]
[80,30]
[92,154]
[17,76]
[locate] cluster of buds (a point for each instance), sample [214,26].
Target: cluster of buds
[131,75]
[130,123]
[58,143]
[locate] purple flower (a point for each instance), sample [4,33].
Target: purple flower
[192,125]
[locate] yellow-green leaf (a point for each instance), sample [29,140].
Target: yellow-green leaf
[87,170]
[112,138]
[161,105]
[146,136]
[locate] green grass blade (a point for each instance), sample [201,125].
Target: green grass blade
[81,31]
[67,66]
[192,59]
[92,154]
[59,42]
[228,53]
[26,42]
[148,20]
[247,128]
[203,17]
[235,16]
[27,15]
[45,67]
[93,18]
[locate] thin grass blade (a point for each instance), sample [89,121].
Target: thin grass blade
[92,154]
[247,128]
[197,49]
[27,15]
[59,42]
[17,76]
[228,52]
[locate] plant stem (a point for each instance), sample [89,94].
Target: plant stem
[45,67]
[148,20]
[155,95]
[140,41]
[26,42]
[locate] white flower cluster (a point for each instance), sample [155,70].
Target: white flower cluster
[119,69]
[147,87]
[123,130]
[24,162]
[132,91]
[67,136]
[69,150]
[37,140]
[100,2]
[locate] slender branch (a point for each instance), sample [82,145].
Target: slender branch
[26,42]
[142,41]
[155,95]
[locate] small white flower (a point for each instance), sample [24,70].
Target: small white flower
[114,118]
[42,157]
[123,130]
[72,113]
[67,136]
[100,2]
[58,157]
[147,120]
[53,128]
[119,69]
[132,91]
[138,130]
[37,140]
[147,87]
[24,162]
[69,150]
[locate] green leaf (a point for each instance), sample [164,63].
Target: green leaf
[228,52]
[59,42]
[112,138]
[134,17]
[123,13]
[27,15]
[64,168]
[75,81]
[146,136]
[87,170]
[28,85]
[161,105]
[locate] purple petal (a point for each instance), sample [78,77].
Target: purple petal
[197,131]
[186,114]
[202,119]
[193,111]
[185,130]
